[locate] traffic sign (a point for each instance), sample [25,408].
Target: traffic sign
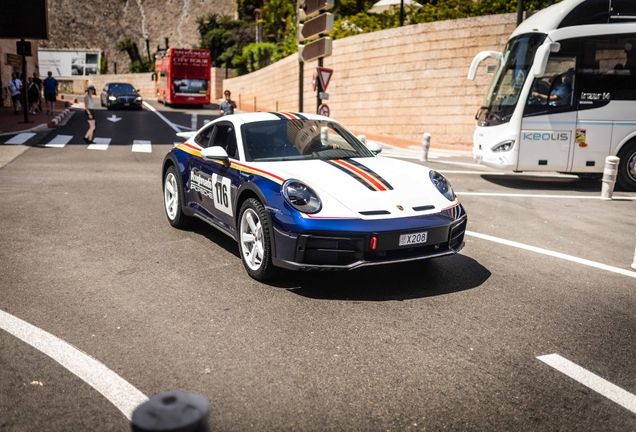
[315,50]
[315,27]
[325,75]
[323,110]
[314,7]
[13,60]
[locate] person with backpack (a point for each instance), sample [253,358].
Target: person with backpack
[33,95]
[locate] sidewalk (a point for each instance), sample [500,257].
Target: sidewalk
[13,123]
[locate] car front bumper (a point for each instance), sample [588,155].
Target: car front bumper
[347,249]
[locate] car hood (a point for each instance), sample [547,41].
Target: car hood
[369,188]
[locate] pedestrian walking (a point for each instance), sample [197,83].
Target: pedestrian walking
[228,105]
[50,92]
[33,93]
[38,82]
[88,107]
[15,86]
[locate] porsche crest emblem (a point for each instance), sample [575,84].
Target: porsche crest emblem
[400,207]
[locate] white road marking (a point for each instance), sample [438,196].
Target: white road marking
[509,195]
[593,381]
[117,390]
[59,141]
[553,254]
[142,146]
[99,144]
[20,138]
[161,116]
[470,172]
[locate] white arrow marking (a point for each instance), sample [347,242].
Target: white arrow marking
[113,118]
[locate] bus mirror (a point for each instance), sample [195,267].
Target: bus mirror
[480,58]
[541,57]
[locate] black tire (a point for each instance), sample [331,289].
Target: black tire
[259,269]
[173,199]
[626,177]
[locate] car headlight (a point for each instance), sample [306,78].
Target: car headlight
[112,98]
[504,146]
[138,98]
[301,197]
[443,186]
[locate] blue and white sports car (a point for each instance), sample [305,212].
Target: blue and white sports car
[301,192]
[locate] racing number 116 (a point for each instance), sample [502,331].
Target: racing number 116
[222,199]
[221,194]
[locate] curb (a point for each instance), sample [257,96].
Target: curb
[58,118]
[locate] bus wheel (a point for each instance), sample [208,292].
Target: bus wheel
[627,167]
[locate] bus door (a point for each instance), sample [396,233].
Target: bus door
[550,118]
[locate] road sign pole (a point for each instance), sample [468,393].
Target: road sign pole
[319,88]
[23,95]
[300,85]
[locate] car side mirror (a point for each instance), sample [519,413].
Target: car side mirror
[216,153]
[374,147]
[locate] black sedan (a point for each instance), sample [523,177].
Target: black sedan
[120,95]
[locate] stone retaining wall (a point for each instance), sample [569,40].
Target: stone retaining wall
[399,83]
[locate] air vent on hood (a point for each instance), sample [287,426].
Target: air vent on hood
[374,212]
[423,208]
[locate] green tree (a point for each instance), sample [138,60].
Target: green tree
[137,62]
[277,16]
[224,37]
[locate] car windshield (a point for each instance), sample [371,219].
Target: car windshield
[121,88]
[278,140]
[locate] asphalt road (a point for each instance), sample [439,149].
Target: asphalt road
[87,254]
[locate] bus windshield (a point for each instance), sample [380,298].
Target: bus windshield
[515,64]
[190,86]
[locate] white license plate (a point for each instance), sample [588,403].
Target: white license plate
[414,238]
[126,104]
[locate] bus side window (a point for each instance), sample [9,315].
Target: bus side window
[553,90]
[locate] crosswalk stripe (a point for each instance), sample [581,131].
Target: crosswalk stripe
[20,138]
[99,144]
[59,141]
[142,146]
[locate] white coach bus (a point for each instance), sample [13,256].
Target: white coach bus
[564,94]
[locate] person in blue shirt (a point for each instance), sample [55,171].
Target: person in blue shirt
[50,92]
[561,93]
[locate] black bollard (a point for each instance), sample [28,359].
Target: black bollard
[172,411]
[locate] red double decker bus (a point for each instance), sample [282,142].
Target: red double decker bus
[183,76]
